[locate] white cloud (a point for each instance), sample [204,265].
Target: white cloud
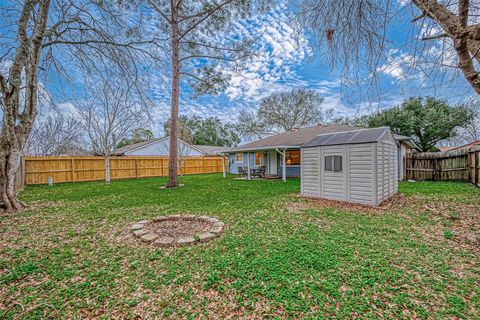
[398,65]
[280,46]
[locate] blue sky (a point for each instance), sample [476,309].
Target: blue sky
[286,58]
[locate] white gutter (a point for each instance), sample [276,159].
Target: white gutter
[259,149]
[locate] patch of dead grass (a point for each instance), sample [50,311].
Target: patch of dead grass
[462,219]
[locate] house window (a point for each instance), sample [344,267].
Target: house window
[239,157]
[259,158]
[292,158]
[333,163]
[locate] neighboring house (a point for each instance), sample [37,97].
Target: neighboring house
[405,146]
[444,149]
[357,166]
[276,150]
[466,146]
[161,147]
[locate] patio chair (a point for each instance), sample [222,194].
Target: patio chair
[261,171]
[241,171]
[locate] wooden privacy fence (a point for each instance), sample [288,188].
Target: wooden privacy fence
[460,165]
[36,170]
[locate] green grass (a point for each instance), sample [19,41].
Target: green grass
[72,256]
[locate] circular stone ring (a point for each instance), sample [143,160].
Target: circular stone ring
[177,230]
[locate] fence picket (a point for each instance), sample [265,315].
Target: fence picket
[460,165]
[37,169]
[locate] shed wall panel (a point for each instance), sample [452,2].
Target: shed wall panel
[334,183]
[310,172]
[361,168]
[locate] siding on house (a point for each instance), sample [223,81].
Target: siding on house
[292,171]
[162,148]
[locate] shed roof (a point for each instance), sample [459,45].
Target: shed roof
[347,137]
[294,137]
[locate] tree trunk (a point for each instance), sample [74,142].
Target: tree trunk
[10,156]
[173,152]
[107,170]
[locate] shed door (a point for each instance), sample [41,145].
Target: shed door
[334,165]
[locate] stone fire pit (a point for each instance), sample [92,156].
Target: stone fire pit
[177,230]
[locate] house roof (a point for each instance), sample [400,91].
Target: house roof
[443,149]
[210,150]
[348,137]
[294,137]
[206,150]
[466,146]
[407,140]
[135,146]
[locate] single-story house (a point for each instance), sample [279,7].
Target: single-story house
[357,166]
[161,147]
[465,146]
[405,145]
[284,148]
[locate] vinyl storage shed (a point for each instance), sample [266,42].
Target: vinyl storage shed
[356,166]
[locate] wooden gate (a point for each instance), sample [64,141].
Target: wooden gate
[459,165]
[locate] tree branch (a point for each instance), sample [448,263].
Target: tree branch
[156,8]
[208,14]
[211,46]
[437,36]
[206,56]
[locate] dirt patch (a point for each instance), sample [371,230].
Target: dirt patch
[179,228]
[315,203]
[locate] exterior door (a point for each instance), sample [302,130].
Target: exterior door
[272,162]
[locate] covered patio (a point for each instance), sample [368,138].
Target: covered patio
[276,161]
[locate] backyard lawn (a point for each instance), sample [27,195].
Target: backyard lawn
[72,255]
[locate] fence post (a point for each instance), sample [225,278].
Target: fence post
[161,167]
[136,168]
[73,170]
[24,172]
[476,164]
[435,169]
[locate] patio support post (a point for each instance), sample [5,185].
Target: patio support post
[223,166]
[248,165]
[283,163]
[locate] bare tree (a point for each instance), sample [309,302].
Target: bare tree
[354,35]
[283,111]
[55,135]
[108,115]
[198,47]
[251,127]
[471,131]
[38,36]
